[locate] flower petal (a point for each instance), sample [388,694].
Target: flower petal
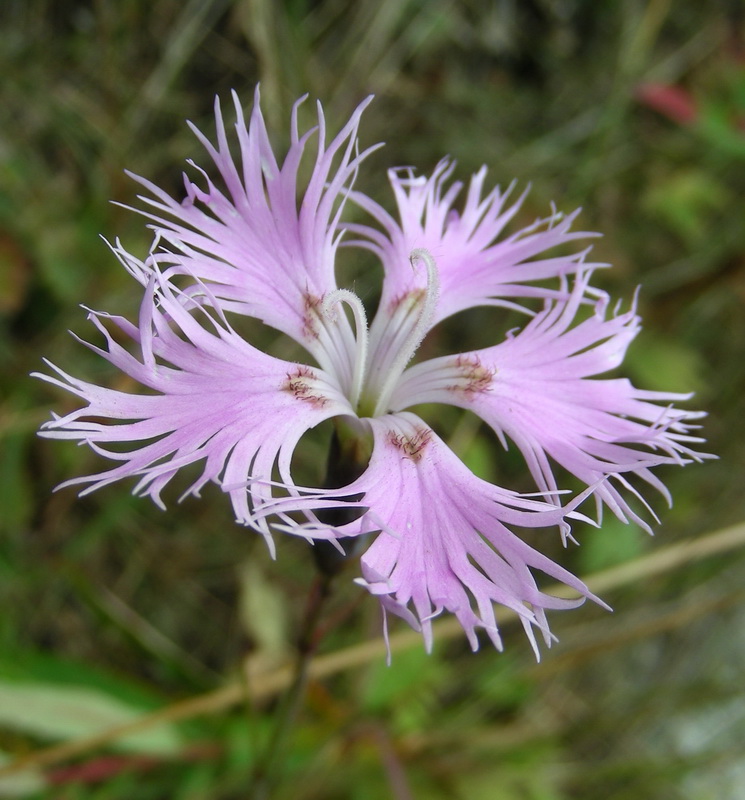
[214,399]
[537,388]
[261,253]
[475,269]
[445,545]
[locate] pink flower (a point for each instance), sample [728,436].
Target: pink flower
[255,249]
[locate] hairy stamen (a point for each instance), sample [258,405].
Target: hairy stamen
[362,338]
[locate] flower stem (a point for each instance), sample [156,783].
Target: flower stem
[349,453]
[266,772]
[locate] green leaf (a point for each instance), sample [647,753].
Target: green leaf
[32,667]
[15,490]
[21,784]
[613,544]
[665,364]
[263,612]
[687,201]
[56,711]
[405,694]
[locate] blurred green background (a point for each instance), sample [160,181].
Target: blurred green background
[634,111]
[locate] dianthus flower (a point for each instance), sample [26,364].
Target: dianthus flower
[263,245]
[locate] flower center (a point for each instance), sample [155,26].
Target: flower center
[368,362]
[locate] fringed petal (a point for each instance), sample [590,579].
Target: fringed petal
[538,387]
[477,264]
[213,399]
[262,252]
[445,545]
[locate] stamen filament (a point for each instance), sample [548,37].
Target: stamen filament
[362,335]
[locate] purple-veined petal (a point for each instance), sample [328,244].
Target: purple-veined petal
[213,399]
[444,544]
[537,388]
[476,267]
[262,252]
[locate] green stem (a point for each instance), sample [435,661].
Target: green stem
[349,453]
[266,775]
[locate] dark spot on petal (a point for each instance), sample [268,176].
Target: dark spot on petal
[474,377]
[411,446]
[299,385]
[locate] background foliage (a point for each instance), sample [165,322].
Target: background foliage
[635,111]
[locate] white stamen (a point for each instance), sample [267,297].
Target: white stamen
[416,334]
[327,309]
